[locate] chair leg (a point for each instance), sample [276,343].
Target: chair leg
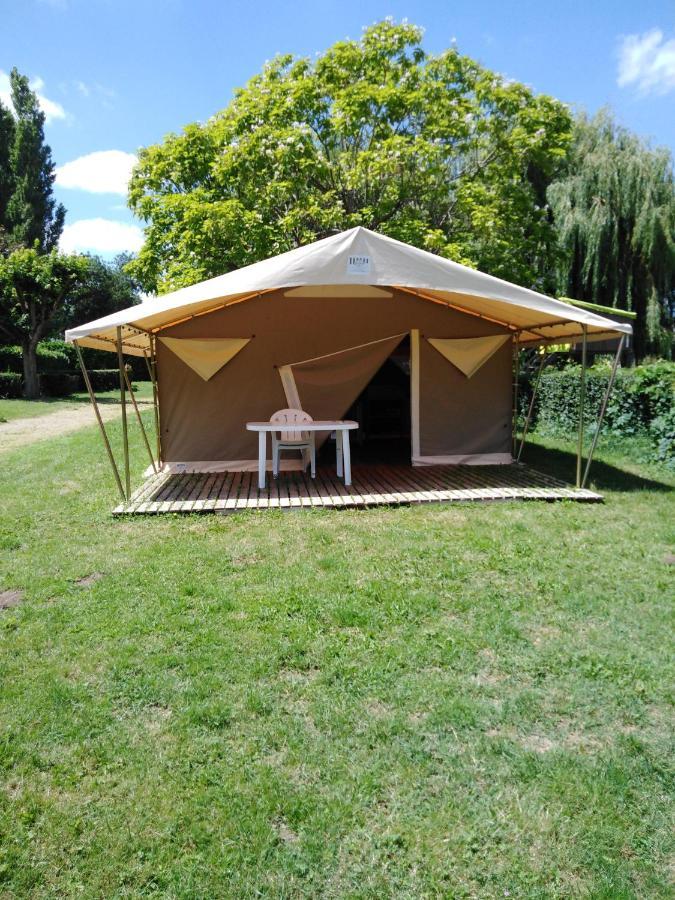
[312,452]
[275,460]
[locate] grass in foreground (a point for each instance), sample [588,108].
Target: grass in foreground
[463,701]
[20,409]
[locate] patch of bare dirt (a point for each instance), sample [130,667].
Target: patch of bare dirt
[88,580]
[542,634]
[377,710]
[11,598]
[538,743]
[286,833]
[20,432]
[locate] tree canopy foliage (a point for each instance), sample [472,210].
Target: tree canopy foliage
[108,288]
[434,150]
[614,211]
[29,214]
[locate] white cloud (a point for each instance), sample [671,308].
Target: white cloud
[50,108]
[95,91]
[101,236]
[104,172]
[648,62]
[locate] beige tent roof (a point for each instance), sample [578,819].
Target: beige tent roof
[352,260]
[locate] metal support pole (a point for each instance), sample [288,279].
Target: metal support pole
[140,420]
[582,397]
[530,409]
[123,401]
[603,409]
[516,368]
[101,426]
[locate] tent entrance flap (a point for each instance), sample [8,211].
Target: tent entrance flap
[328,385]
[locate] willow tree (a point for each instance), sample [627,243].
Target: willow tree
[433,150]
[614,211]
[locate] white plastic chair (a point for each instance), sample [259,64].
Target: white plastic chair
[292,440]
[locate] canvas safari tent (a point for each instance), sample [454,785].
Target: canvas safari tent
[311,327]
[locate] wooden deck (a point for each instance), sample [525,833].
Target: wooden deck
[373,485]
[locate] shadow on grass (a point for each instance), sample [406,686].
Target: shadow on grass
[603,475]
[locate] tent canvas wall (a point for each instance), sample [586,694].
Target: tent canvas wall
[340,342]
[313,325]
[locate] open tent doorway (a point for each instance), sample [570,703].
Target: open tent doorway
[382,410]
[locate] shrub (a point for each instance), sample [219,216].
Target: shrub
[52,356]
[641,402]
[105,379]
[662,430]
[10,359]
[11,385]
[58,356]
[59,384]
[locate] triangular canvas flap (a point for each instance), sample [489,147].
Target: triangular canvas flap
[205,355]
[327,385]
[469,354]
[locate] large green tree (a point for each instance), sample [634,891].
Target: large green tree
[614,211]
[34,286]
[29,214]
[434,150]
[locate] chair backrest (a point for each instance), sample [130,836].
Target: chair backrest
[291,417]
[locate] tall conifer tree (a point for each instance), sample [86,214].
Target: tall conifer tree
[29,214]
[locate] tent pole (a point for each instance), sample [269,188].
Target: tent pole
[415,393]
[140,420]
[603,409]
[123,401]
[582,397]
[530,409]
[516,370]
[101,426]
[152,369]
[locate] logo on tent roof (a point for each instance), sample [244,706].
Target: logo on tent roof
[358,265]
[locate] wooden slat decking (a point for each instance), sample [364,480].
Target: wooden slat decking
[373,485]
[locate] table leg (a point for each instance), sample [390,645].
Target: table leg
[347,457]
[338,452]
[262,459]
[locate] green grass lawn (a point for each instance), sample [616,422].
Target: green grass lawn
[19,409]
[454,701]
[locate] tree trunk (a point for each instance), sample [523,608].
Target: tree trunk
[31,380]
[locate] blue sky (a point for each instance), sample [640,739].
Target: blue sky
[115,75]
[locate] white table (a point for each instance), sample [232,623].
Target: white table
[342,451]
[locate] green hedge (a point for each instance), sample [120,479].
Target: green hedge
[58,356]
[62,384]
[642,402]
[105,379]
[11,385]
[59,369]
[52,356]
